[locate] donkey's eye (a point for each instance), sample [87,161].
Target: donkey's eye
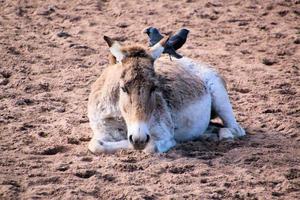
[152,89]
[124,89]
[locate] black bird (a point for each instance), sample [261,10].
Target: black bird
[175,42]
[154,35]
[178,40]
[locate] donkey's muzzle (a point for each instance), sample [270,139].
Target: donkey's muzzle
[139,143]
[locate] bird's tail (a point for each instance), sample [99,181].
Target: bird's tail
[172,52]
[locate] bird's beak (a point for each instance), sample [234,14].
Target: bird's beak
[146,30]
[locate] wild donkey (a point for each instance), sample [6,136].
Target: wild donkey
[149,104]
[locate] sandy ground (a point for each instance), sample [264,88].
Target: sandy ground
[52,51]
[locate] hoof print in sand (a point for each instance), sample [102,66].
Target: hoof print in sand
[181,170]
[53,150]
[85,173]
[251,160]
[129,160]
[63,167]
[292,173]
[72,140]
[127,167]
[269,61]
[108,177]
[24,101]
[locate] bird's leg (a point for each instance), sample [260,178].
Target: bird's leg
[170,57]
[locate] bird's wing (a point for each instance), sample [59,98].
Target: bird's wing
[170,50]
[155,38]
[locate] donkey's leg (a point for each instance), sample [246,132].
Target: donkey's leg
[97,146]
[221,105]
[162,135]
[107,138]
[160,146]
[103,142]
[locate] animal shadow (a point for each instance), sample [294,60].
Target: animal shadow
[208,148]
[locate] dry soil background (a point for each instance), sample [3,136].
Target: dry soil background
[51,51]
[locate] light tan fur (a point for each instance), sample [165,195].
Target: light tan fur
[145,104]
[177,85]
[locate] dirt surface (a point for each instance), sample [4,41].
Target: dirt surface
[52,51]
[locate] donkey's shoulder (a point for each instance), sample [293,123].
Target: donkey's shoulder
[109,77]
[179,85]
[105,89]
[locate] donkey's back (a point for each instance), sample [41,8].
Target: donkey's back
[185,86]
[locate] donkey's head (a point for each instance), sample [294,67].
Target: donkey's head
[138,87]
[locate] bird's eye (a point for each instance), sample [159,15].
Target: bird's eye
[124,89]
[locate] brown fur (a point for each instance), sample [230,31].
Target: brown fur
[129,51]
[137,75]
[138,79]
[135,51]
[106,86]
[111,59]
[178,85]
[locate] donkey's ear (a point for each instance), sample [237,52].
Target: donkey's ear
[159,47]
[115,48]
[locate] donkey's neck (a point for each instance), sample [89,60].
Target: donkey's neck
[107,90]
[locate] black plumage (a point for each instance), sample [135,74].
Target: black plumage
[154,35]
[174,43]
[171,51]
[178,40]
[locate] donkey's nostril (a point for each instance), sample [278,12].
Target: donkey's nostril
[148,138]
[130,139]
[138,142]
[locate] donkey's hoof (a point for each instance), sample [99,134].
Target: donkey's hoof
[151,150]
[96,146]
[226,134]
[239,131]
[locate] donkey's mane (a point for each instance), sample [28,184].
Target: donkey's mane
[135,51]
